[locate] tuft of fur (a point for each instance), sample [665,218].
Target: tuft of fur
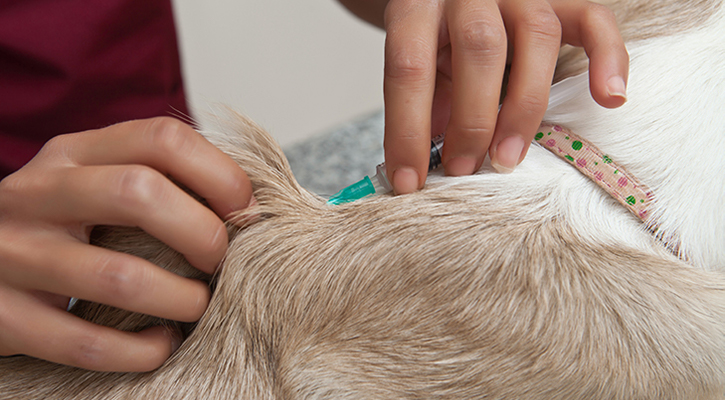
[533,285]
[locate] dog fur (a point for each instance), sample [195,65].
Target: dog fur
[534,285]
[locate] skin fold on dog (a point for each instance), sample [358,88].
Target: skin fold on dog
[533,285]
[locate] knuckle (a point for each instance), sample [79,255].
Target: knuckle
[121,279]
[139,187]
[20,190]
[171,137]
[483,35]
[473,129]
[57,143]
[402,138]
[59,147]
[89,352]
[11,185]
[394,11]
[409,63]
[397,13]
[599,12]
[543,24]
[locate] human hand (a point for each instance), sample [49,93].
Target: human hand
[111,176]
[444,65]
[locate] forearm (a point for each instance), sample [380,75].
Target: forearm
[371,11]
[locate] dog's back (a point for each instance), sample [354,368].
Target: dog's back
[533,285]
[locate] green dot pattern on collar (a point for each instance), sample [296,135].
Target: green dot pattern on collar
[597,166]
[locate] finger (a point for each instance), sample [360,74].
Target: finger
[173,148]
[410,68]
[134,195]
[37,330]
[536,34]
[478,58]
[74,269]
[594,27]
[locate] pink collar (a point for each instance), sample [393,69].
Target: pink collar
[598,167]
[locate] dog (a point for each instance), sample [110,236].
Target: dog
[533,285]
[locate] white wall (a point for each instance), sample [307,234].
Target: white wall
[297,67]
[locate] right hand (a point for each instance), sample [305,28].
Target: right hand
[445,62]
[112,176]
[444,67]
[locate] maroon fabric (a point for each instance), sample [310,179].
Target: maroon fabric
[72,65]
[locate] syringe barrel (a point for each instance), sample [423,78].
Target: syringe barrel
[436,155]
[381,177]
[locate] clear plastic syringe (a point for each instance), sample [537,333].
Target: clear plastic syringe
[379,183]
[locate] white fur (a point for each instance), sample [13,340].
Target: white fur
[670,135]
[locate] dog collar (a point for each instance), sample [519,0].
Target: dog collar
[598,167]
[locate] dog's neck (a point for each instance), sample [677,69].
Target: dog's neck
[670,134]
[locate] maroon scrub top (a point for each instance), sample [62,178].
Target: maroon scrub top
[73,65]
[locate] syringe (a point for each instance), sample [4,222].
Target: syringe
[379,183]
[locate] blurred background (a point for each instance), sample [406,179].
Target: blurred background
[298,68]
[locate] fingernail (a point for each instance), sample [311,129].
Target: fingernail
[507,154]
[616,87]
[459,166]
[405,180]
